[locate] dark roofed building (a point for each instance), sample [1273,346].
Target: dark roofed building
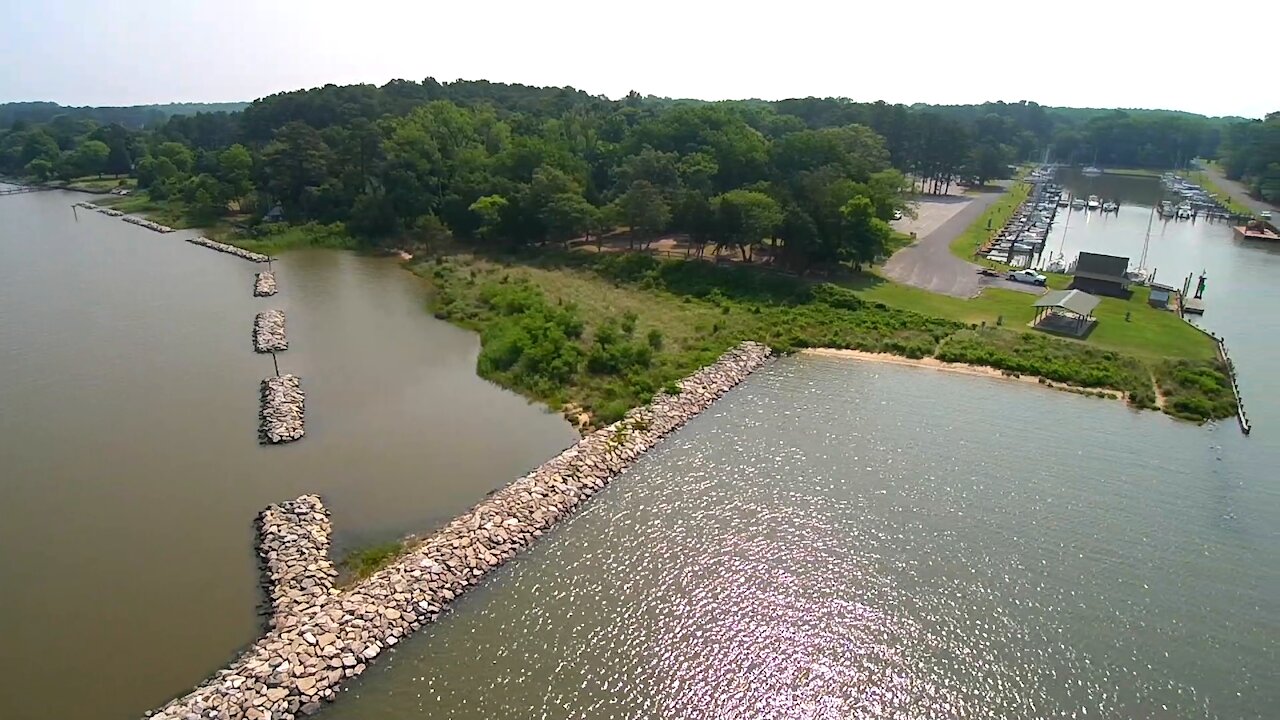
[1102,274]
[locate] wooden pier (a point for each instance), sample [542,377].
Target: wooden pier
[1241,415]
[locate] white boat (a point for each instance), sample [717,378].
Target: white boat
[1184,210]
[1078,204]
[1094,202]
[1057,265]
[1109,206]
[1091,171]
[1063,201]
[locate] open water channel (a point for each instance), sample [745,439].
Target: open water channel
[130,470]
[830,540]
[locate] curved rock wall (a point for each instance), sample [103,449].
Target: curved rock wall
[318,637]
[268,332]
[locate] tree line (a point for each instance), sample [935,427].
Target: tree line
[811,181]
[1251,154]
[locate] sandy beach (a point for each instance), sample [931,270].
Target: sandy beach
[962,368]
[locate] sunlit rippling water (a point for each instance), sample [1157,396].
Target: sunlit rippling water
[838,540]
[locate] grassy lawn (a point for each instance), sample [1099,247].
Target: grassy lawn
[604,332]
[271,239]
[1148,333]
[168,212]
[103,184]
[1134,172]
[977,234]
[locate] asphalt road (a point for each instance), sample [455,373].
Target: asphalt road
[1238,192]
[929,264]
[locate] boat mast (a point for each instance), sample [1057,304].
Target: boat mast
[1146,242]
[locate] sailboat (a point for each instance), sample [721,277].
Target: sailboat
[1092,170]
[1140,274]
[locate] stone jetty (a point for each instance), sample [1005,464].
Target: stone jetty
[282,415]
[264,284]
[143,222]
[228,249]
[318,637]
[293,544]
[268,332]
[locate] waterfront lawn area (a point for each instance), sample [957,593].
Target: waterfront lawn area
[605,332]
[171,212]
[103,184]
[1148,333]
[271,239]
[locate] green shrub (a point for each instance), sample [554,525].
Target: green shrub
[364,562]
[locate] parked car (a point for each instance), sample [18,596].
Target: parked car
[1029,276]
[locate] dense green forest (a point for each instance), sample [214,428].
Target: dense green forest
[508,164]
[1251,153]
[133,116]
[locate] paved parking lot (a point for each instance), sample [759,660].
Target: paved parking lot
[928,263]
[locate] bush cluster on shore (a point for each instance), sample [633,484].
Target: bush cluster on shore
[1052,359]
[606,331]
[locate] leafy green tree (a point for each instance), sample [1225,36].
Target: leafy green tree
[39,145]
[91,157]
[744,218]
[178,154]
[39,169]
[235,169]
[888,192]
[645,212]
[694,214]
[294,162]
[864,235]
[490,209]
[568,216]
[988,161]
[119,161]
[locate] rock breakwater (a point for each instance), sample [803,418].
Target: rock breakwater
[268,332]
[282,414]
[228,249]
[318,637]
[143,222]
[293,544]
[264,284]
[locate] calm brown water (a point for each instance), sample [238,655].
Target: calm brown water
[130,472]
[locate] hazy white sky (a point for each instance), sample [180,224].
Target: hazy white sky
[1120,53]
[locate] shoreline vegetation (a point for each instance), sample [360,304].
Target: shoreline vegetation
[593,335]
[690,310]
[604,249]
